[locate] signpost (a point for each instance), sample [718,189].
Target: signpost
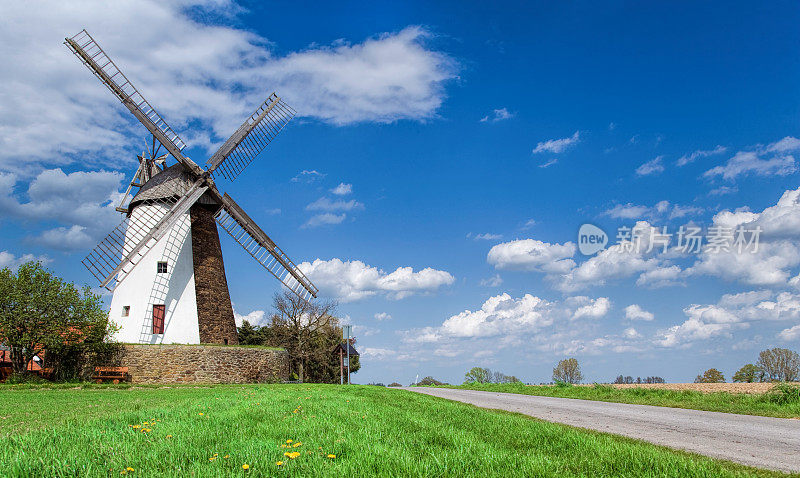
[346,332]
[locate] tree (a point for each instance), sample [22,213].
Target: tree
[478,375]
[40,312]
[428,381]
[781,365]
[568,371]
[749,373]
[711,375]
[303,329]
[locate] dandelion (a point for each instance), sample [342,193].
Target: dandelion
[289,441]
[279,463]
[201,414]
[169,436]
[331,456]
[226,456]
[297,444]
[292,455]
[129,469]
[245,466]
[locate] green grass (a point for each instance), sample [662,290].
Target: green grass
[772,404]
[371,430]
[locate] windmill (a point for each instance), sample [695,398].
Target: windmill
[164,261]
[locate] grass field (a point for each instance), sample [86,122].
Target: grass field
[772,404]
[334,431]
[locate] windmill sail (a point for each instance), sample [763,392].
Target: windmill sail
[116,255]
[247,233]
[90,53]
[251,138]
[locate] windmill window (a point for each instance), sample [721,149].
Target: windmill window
[161,267]
[158,319]
[126,310]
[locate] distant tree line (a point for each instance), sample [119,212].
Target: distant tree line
[308,332]
[639,380]
[773,365]
[484,375]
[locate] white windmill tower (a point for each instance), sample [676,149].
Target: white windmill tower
[164,261]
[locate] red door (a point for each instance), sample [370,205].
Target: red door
[158,319]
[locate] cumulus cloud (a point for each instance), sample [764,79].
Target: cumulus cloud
[664,276]
[791,334]
[308,176]
[777,253]
[13,262]
[326,204]
[324,219]
[256,317]
[532,255]
[342,189]
[653,166]
[350,281]
[381,316]
[694,156]
[83,201]
[771,160]
[660,210]
[504,320]
[635,312]
[497,115]
[557,145]
[207,76]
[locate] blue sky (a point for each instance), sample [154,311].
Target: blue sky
[443,159]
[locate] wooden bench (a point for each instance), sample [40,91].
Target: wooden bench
[115,374]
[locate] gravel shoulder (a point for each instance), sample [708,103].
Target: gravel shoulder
[764,442]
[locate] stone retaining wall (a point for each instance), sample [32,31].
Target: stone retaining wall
[203,364]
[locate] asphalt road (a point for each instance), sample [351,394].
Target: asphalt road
[762,442]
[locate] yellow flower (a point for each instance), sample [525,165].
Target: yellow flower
[129,469]
[288,441]
[226,456]
[279,463]
[297,444]
[292,455]
[201,414]
[212,458]
[330,455]
[169,436]
[245,466]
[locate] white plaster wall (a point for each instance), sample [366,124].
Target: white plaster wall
[144,287]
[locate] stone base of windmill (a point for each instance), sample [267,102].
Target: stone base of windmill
[203,364]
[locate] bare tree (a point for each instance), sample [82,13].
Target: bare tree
[568,371]
[782,365]
[301,328]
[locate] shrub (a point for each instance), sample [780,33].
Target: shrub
[784,393]
[395,384]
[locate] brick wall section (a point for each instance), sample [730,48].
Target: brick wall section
[214,310]
[203,364]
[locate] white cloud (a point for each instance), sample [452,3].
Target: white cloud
[324,219]
[664,276]
[13,262]
[528,224]
[690,158]
[532,255]
[342,189]
[777,253]
[548,163]
[557,145]
[210,75]
[662,209]
[723,190]
[256,317]
[510,319]
[326,204]
[631,333]
[349,281]
[381,316]
[487,237]
[308,176]
[596,308]
[704,322]
[635,312]
[376,353]
[498,115]
[609,264]
[494,281]
[83,201]
[791,334]
[653,166]
[772,160]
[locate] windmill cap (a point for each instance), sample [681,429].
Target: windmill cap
[172,182]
